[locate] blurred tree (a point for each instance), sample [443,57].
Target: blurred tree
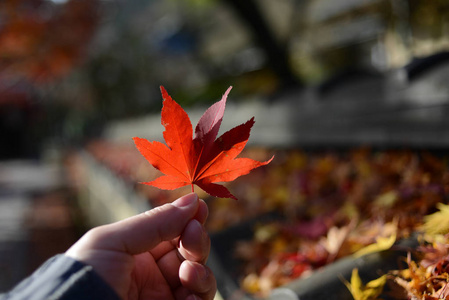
[276,53]
[275,50]
[41,40]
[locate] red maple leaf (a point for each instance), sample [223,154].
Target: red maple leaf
[202,160]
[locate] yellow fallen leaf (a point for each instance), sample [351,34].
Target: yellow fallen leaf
[370,291]
[381,244]
[386,200]
[251,283]
[438,222]
[335,239]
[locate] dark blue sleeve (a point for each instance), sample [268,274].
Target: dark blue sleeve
[62,277]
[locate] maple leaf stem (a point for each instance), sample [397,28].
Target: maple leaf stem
[192,188]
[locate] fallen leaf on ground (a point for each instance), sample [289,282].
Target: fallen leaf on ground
[438,222]
[382,243]
[370,291]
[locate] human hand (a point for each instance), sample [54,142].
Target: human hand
[159,254]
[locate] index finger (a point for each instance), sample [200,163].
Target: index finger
[166,246]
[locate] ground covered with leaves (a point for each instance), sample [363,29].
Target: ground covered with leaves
[333,204]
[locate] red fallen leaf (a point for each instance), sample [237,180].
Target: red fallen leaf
[201,160]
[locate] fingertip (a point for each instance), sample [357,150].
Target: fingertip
[186,200]
[203,212]
[198,278]
[194,244]
[192,272]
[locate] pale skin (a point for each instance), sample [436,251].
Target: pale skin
[159,254]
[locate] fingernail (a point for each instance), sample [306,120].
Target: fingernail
[193,297]
[196,225]
[186,200]
[201,272]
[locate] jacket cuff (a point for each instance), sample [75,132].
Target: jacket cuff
[62,277]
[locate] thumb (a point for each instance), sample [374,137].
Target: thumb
[143,232]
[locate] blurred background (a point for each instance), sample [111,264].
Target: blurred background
[333,85]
